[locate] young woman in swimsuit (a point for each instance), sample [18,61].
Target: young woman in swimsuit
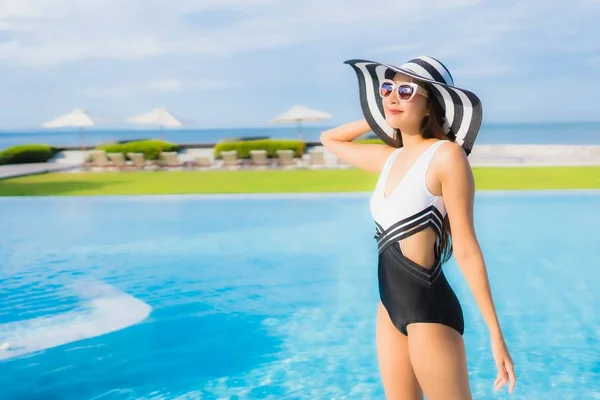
[422,207]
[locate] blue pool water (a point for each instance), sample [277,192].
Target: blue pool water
[272,297]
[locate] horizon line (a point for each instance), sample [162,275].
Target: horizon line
[239,127]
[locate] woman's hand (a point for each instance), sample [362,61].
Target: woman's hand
[505,365]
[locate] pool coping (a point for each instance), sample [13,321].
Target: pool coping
[307,195]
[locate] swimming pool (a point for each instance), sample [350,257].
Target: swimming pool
[272,297]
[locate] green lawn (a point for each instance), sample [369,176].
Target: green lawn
[273,181]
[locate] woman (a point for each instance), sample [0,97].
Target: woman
[425,191]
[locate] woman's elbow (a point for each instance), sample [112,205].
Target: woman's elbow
[324,138]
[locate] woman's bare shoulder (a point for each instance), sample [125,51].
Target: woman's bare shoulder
[451,158]
[450,155]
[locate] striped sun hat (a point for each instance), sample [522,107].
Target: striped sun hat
[462,109]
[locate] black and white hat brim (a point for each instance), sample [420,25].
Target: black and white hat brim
[463,112]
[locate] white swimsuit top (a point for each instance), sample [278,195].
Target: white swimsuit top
[410,207]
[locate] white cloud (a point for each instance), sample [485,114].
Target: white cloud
[63,30]
[45,33]
[147,51]
[130,90]
[168,85]
[498,39]
[16,26]
[479,71]
[18,9]
[397,48]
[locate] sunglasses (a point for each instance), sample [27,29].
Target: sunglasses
[405,90]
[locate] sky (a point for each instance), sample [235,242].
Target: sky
[236,63]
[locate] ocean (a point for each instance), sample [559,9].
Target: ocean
[579,133]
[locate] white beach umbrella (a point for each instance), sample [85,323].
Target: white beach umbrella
[298,115]
[158,116]
[77,118]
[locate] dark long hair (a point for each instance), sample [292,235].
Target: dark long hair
[432,127]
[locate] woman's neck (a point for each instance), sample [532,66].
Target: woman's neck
[412,140]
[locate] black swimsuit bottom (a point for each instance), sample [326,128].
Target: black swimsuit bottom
[409,292]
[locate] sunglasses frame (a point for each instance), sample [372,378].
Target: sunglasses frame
[416,89]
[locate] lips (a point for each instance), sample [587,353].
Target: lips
[394,112]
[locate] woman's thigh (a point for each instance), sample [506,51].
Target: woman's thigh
[438,356]
[399,380]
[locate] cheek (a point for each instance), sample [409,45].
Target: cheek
[415,111]
[419,104]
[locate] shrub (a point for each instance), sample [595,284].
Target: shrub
[27,153]
[369,141]
[270,145]
[150,148]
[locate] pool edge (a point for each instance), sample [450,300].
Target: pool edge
[299,195]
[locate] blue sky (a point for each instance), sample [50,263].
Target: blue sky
[231,63]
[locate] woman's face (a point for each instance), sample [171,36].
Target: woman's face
[405,115]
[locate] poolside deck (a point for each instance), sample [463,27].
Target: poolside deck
[482,156]
[16,170]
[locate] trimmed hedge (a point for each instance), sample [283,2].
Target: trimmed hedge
[150,148]
[369,141]
[270,145]
[27,153]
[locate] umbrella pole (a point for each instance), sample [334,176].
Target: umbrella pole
[162,138]
[82,138]
[301,149]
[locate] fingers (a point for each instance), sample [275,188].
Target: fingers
[500,381]
[506,373]
[510,369]
[501,378]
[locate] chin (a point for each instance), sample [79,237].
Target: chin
[395,121]
[401,123]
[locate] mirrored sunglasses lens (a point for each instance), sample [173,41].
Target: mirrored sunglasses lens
[405,92]
[386,89]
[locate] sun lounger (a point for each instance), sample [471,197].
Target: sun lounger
[99,160]
[202,162]
[230,159]
[316,159]
[285,158]
[118,160]
[139,160]
[259,158]
[170,159]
